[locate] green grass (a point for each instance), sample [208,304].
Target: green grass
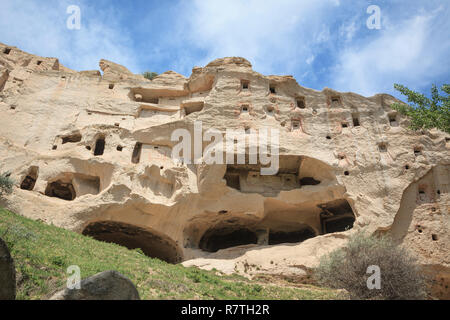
[43,252]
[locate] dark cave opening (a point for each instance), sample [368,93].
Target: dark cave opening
[233,181]
[151,243]
[336,216]
[339,225]
[221,238]
[61,190]
[30,180]
[28,183]
[309,181]
[99,146]
[136,156]
[277,237]
[73,138]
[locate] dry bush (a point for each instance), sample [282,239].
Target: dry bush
[346,268]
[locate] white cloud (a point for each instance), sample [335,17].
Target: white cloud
[348,31]
[323,42]
[323,35]
[276,36]
[414,51]
[39,27]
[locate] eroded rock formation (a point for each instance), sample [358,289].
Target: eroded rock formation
[91,152]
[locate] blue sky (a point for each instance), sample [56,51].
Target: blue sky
[322,43]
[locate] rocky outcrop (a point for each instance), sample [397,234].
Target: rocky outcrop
[114,72]
[92,153]
[7,274]
[107,285]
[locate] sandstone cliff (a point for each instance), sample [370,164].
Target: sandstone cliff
[91,152]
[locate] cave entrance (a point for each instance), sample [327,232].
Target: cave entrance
[336,216]
[233,181]
[338,224]
[136,156]
[277,237]
[221,238]
[73,138]
[61,190]
[151,243]
[30,180]
[309,181]
[393,120]
[99,146]
[300,102]
[246,178]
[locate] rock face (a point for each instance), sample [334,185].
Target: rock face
[92,154]
[7,274]
[107,285]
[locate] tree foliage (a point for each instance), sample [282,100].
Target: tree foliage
[149,75]
[426,113]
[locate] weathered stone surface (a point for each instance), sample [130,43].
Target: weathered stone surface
[97,153]
[107,285]
[7,274]
[114,72]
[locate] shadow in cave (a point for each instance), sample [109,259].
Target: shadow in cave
[336,216]
[221,238]
[151,243]
[61,190]
[290,237]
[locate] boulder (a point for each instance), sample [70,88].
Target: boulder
[7,274]
[107,285]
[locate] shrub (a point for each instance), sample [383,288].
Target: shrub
[347,268]
[149,75]
[423,112]
[6,183]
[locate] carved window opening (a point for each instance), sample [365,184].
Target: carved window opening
[99,146]
[272,89]
[300,103]
[355,118]
[61,190]
[136,157]
[382,147]
[73,138]
[30,180]
[417,151]
[393,120]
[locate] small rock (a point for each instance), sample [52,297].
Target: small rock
[107,285]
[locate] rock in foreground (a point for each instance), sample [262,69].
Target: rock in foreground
[7,274]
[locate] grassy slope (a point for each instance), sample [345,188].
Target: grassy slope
[42,254]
